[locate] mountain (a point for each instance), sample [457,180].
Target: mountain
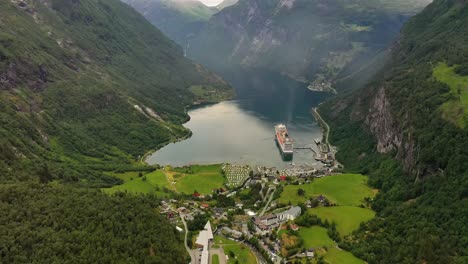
[178,19]
[408,129]
[310,40]
[226,3]
[87,86]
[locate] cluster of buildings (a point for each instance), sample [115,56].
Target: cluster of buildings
[264,224]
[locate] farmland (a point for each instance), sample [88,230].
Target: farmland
[342,189]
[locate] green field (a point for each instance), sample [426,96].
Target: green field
[342,189]
[347,218]
[215,259]
[315,236]
[242,253]
[202,179]
[454,110]
[134,184]
[209,93]
[336,256]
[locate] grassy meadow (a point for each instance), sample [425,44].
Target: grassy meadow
[242,253]
[315,236]
[347,218]
[342,189]
[337,256]
[200,178]
[454,110]
[150,183]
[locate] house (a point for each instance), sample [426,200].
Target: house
[233,233]
[250,212]
[268,220]
[294,227]
[289,214]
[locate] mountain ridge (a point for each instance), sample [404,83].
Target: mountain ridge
[271,35]
[397,130]
[77,80]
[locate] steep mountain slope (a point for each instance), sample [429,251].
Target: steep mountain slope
[413,112]
[226,3]
[178,19]
[86,85]
[307,40]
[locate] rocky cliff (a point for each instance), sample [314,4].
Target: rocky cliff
[405,106]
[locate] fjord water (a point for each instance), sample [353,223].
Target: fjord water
[241,131]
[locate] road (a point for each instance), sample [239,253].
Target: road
[269,200]
[191,252]
[322,122]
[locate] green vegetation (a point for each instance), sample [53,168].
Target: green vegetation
[343,189]
[202,183]
[242,253]
[56,224]
[347,218]
[151,183]
[337,256]
[215,259]
[455,110]
[180,20]
[201,178]
[208,93]
[90,87]
[315,236]
[87,87]
[421,205]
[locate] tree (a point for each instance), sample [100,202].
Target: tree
[300,192]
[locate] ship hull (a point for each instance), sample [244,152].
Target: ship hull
[285,155]
[284,142]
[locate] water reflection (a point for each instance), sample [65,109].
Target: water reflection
[242,131]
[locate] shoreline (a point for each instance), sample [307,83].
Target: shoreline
[193,106]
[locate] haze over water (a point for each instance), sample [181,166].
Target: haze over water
[242,131]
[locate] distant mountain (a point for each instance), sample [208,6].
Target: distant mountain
[305,39]
[226,3]
[88,84]
[178,19]
[408,129]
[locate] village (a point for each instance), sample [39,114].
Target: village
[247,213]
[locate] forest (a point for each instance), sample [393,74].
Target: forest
[86,88]
[60,224]
[421,210]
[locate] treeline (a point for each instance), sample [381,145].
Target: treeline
[55,224]
[421,209]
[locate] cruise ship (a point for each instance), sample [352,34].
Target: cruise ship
[284,141]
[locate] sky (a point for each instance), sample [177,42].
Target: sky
[211,2]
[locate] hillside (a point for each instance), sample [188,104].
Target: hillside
[88,86]
[226,3]
[180,20]
[407,129]
[322,41]
[57,224]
